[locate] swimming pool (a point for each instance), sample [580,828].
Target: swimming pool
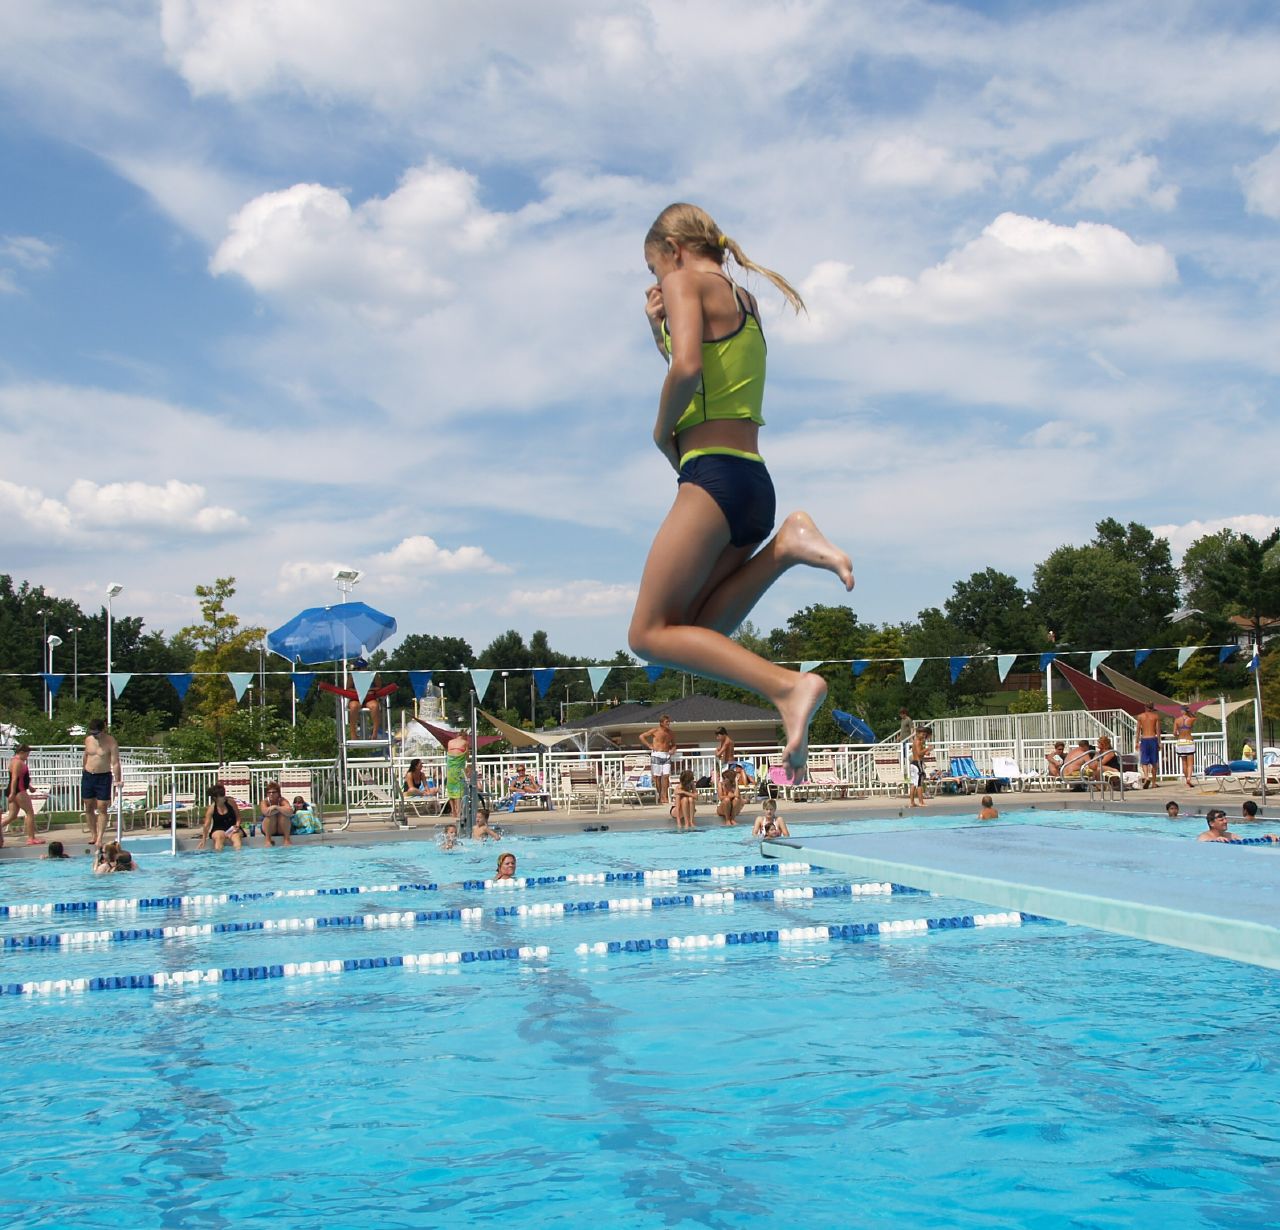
[1002,1075]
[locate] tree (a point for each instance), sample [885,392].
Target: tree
[218,644]
[1246,577]
[992,609]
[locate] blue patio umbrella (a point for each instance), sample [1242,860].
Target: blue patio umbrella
[854,726]
[330,633]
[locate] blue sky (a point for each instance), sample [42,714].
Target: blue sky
[291,285]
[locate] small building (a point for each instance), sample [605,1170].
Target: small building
[694,721]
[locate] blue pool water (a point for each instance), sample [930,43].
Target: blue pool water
[1037,1075]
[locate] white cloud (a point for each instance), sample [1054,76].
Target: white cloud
[584,599]
[909,162]
[1257,525]
[307,239]
[23,253]
[423,556]
[34,511]
[1058,433]
[1103,181]
[174,506]
[1261,183]
[304,575]
[1017,266]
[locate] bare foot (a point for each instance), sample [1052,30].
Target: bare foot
[797,710]
[801,542]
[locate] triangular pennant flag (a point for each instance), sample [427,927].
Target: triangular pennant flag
[910,666]
[859,665]
[418,681]
[806,667]
[597,675]
[1226,652]
[120,681]
[1253,662]
[1184,653]
[542,678]
[957,665]
[1097,657]
[181,683]
[1140,656]
[653,672]
[53,683]
[240,680]
[480,681]
[302,681]
[363,681]
[1046,659]
[1003,662]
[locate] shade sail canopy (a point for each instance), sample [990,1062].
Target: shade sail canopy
[328,633]
[520,738]
[1097,695]
[1131,687]
[443,734]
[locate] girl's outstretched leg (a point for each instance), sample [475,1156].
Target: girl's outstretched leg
[691,548]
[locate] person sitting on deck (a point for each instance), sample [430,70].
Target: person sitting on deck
[731,801]
[1076,758]
[304,819]
[277,815]
[1055,758]
[416,782]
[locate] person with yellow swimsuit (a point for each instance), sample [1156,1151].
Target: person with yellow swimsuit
[707,568]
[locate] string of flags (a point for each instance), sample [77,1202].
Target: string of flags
[482,677]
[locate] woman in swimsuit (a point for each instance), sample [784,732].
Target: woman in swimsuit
[704,572]
[222,819]
[20,795]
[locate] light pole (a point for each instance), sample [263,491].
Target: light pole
[75,660]
[112,591]
[504,690]
[44,651]
[53,641]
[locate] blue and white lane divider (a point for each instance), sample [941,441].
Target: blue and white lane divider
[414,918]
[161,979]
[797,935]
[112,905]
[655,875]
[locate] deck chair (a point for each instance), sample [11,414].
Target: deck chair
[1007,767]
[183,804]
[823,778]
[793,792]
[579,784]
[525,800]
[637,782]
[889,771]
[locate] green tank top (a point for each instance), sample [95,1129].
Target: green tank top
[733,370]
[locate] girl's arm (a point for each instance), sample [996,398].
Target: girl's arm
[684,323]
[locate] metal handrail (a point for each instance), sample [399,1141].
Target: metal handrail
[1104,781]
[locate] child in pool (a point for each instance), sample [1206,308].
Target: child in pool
[769,823]
[707,568]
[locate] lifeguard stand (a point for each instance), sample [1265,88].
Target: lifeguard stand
[369,785]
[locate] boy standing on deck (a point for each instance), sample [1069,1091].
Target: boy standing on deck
[915,769]
[1148,745]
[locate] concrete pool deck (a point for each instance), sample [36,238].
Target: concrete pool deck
[622,817]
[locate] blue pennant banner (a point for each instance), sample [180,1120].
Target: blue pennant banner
[542,678]
[859,665]
[240,681]
[302,681]
[1253,662]
[418,681]
[1046,659]
[654,672]
[1140,656]
[53,683]
[1226,652]
[957,665]
[181,681]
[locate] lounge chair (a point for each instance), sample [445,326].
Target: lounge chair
[579,784]
[794,792]
[823,778]
[889,771]
[637,782]
[1007,767]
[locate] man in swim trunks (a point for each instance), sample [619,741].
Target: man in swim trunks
[99,777]
[1148,745]
[662,749]
[915,768]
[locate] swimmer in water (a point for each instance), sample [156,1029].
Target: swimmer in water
[707,568]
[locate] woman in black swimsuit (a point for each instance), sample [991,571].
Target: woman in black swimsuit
[221,819]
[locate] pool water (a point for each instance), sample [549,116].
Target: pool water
[1020,1076]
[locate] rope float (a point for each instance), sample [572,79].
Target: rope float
[656,875]
[413,918]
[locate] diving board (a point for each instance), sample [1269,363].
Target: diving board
[1210,897]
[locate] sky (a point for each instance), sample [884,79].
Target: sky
[288,285]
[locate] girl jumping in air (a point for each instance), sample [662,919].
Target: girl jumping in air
[704,572]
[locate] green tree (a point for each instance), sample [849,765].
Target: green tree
[218,644]
[993,610]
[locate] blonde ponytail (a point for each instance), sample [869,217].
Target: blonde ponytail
[693,228]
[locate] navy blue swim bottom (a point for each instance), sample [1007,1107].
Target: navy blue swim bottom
[741,488]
